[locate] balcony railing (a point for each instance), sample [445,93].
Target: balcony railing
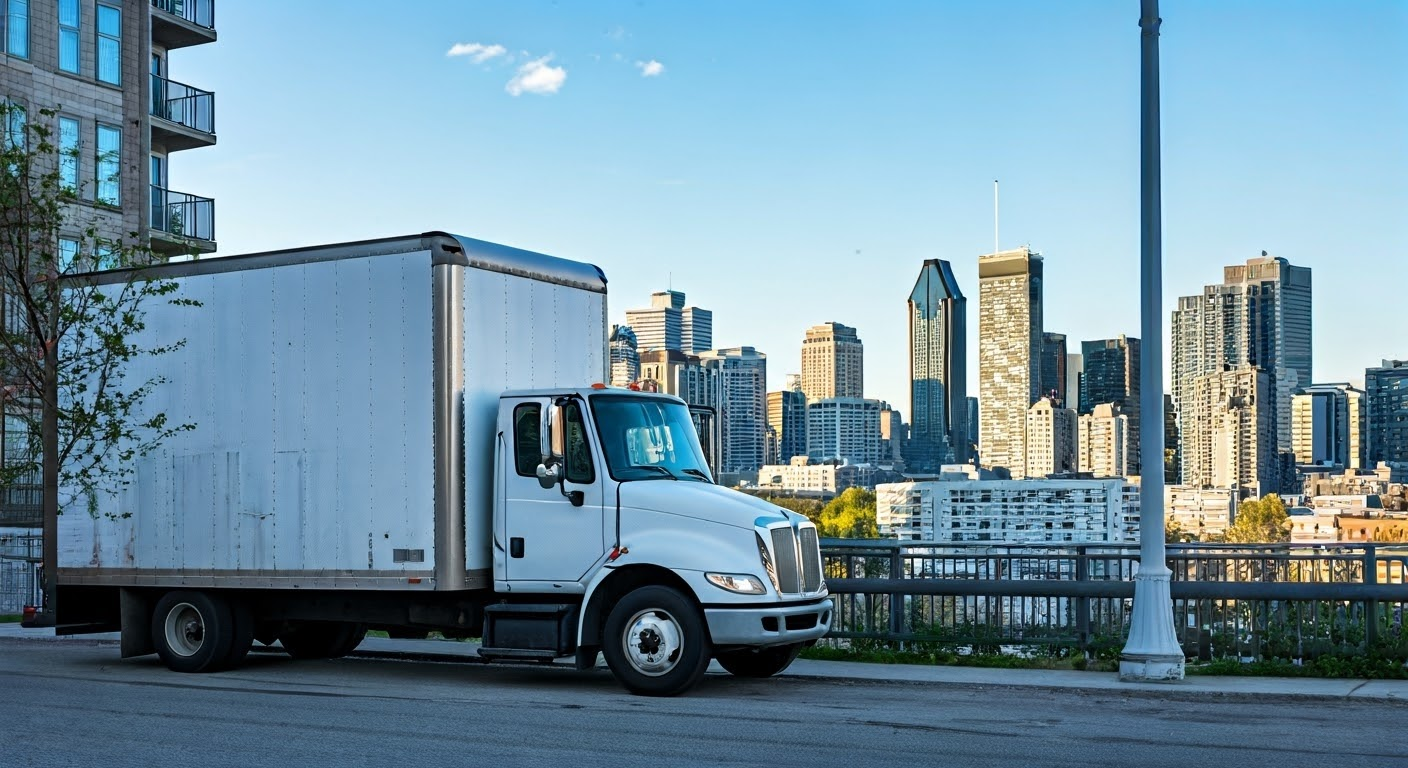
[180,103]
[198,12]
[183,215]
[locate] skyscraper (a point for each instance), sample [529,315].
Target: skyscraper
[1259,316]
[1051,439]
[938,369]
[1103,442]
[1235,445]
[1112,376]
[1327,422]
[787,419]
[1009,346]
[845,429]
[1075,374]
[1053,367]
[625,359]
[1386,412]
[696,330]
[743,377]
[660,325]
[833,362]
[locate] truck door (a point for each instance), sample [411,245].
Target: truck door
[549,536]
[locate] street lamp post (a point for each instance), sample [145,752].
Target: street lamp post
[1152,652]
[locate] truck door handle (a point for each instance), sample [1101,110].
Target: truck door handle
[515,546]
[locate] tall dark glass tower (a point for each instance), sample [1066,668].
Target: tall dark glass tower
[938,370]
[1112,376]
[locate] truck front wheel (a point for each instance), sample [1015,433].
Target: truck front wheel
[762,662]
[655,642]
[193,631]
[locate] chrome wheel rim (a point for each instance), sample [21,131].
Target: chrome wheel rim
[185,629]
[653,642]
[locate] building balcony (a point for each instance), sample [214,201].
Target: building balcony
[182,23]
[181,224]
[184,116]
[21,505]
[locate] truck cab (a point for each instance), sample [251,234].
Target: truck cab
[605,498]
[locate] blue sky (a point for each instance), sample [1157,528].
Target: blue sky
[789,163]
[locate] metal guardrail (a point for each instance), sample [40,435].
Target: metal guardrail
[19,571]
[198,12]
[183,104]
[181,214]
[1278,601]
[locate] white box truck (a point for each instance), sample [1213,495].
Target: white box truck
[411,435]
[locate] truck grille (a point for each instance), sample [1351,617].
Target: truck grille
[797,558]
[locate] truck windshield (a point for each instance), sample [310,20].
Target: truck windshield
[647,438]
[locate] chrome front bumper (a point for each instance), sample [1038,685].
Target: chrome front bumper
[780,625]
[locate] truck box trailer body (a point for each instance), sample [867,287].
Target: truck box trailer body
[409,434]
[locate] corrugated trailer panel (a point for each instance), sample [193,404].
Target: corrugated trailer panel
[311,459]
[556,340]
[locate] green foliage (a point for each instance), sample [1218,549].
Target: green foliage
[849,516]
[67,336]
[809,507]
[1260,521]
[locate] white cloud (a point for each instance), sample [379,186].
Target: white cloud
[650,68]
[477,52]
[537,76]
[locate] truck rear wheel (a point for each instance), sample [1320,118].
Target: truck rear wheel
[760,662]
[655,642]
[321,639]
[193,631]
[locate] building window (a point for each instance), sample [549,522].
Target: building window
[110,44]
[68,153]
[14,124]
[109,152]
[68,36]
[14,27]
[68,253]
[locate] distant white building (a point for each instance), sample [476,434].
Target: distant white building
[1200,511]
[1010,511]
[845,429]
[1051,439]
[805,479]
[1103,442]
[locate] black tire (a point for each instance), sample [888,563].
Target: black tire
[761,662]
[242,634]
[321,639]
[193,631]
[656,643]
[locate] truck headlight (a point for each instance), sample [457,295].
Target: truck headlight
[741,583]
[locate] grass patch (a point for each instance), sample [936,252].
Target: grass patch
[7,618]
[1369,666]
[942,658]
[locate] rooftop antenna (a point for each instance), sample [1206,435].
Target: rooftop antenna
[994,216]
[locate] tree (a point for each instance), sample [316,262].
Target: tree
[67,336]
[1260,521]
[849,516]
[1174,533]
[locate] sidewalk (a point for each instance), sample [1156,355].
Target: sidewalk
[1105,682]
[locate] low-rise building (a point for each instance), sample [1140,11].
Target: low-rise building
[1202,512]
[1010,511]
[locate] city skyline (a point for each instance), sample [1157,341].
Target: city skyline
[1265,148]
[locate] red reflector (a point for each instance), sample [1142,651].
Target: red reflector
[412,581]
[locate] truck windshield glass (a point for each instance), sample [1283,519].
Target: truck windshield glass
[643,436]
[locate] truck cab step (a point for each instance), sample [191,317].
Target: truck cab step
[520,654]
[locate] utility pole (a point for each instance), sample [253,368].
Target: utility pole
[1152,652]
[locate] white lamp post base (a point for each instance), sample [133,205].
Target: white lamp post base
[1152,653]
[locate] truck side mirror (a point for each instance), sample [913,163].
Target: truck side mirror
[552,446]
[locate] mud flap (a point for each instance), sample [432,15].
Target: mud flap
[136,614]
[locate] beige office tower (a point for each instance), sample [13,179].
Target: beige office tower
[1234,442]
[833,362]
[1327,422]
[1103,442]
[1009,343]
[1051,439]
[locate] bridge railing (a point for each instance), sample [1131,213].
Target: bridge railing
[1248,602]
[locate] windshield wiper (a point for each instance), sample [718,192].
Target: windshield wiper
[696,473]
[667,472]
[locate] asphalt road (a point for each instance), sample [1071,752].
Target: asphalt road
[76,704]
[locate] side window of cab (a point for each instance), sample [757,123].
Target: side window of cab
[527,447]
[579,453]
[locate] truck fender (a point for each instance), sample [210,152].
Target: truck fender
[610,584]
